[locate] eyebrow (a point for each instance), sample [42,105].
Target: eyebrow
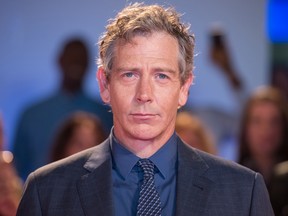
[121,69]
[157,69]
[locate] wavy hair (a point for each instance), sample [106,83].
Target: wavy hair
[144,20]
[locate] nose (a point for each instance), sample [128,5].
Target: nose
[144,90]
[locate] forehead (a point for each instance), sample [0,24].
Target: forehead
[265,106]
[157,48]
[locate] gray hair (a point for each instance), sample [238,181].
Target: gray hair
[140,19]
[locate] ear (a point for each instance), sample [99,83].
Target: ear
[184,91]
[103,85]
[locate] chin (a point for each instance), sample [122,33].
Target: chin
[144,132]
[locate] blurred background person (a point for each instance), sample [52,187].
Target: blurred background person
[263,137]
[192,131]
[38,122]
[279,189]
[222,122]
[79,131]
[10,183]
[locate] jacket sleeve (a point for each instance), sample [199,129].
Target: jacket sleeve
[260,201]
[30,203]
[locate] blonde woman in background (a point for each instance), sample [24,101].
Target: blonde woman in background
[192,131]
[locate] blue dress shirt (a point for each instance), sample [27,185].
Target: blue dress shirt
[127,177]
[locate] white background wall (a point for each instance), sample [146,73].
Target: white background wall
[32,31]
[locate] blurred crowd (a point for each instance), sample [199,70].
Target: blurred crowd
[10,183]
[69,122]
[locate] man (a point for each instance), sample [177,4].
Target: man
[143,168]
[39,122]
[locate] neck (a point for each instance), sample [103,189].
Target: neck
[265,164]
[264,160]
[71,88]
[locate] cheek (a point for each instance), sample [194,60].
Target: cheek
[120,95]
[275,135]
[168,97]
[168,105]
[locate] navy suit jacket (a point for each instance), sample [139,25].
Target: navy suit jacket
[206,185]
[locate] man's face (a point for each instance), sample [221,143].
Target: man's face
[144,88]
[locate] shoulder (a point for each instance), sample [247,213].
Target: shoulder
[216,168]
[225,182]
[72,168]
[87,99]
[39,105]
[226,171]
[94,105]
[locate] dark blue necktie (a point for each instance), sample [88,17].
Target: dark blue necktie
[149,200]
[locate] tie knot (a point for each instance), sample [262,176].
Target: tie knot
[147,166]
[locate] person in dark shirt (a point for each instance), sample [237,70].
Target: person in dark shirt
[38,123]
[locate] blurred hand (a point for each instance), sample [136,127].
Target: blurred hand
[220,57]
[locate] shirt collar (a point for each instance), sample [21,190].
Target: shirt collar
[124,160]
[165,158]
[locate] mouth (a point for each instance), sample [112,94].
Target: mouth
[143,116]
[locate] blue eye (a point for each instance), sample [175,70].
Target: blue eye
[162,76]
[128,74]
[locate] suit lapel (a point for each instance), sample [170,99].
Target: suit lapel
[193,188]
[95,188]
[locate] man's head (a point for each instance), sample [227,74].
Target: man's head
[139,19]
[73,62]
[145,71]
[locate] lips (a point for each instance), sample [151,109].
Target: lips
[143,116]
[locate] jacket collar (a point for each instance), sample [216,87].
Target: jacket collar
[95,187]
[193,187]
